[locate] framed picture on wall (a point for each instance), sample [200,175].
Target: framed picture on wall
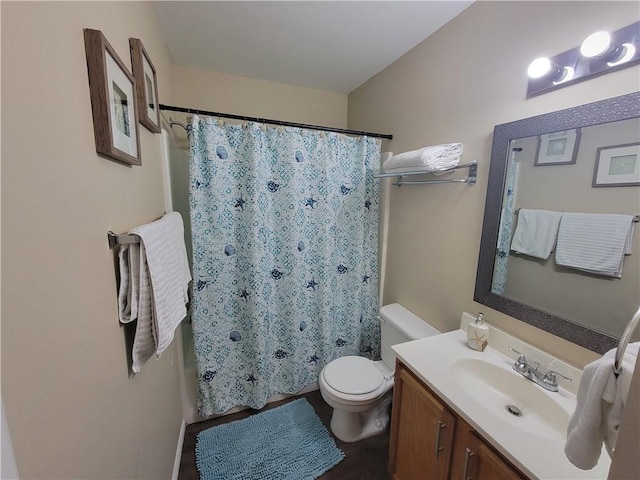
[112,90]
[617,166]
[558,148]
[146,86]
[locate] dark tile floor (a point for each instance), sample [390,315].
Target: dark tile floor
[366,459]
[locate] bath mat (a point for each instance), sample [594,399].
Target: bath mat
[287,442]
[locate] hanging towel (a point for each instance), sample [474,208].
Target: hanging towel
[594,243]
[162,247]
[134,301]
[536,232]
[600,403]
[434,158]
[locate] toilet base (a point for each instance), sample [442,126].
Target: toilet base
[353,426]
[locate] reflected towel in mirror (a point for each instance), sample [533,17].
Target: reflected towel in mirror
[536,232]
[595,243]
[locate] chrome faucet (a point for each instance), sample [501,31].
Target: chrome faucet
[548,381]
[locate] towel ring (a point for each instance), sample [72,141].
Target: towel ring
[624,341]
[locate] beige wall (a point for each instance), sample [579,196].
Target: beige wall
[73,410]
[454,87]
[226,93]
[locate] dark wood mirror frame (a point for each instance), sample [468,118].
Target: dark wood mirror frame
[604,111]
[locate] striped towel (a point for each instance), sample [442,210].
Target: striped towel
[162,244]
[154,275]
[134,300]
[594,243]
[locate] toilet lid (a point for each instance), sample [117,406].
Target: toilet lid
[353,375]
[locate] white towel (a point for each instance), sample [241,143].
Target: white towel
[134,301]
[536,232]
[162,243]
[434,158]
[145,341]
[129,287]
[594,243]
[600,403]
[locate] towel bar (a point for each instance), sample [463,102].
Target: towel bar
[471,177]
[636,219]
[624,341]
[115,239]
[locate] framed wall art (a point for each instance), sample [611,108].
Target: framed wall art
[112,90]
[146,86]
[558,148]
[617,166]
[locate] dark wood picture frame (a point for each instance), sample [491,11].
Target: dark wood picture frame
[112,90]
[147,86]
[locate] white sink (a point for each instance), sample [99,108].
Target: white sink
[495,388]
[479,385]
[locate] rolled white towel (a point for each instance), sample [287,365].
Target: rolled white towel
[433,158]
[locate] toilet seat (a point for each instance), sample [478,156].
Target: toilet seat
[352,375]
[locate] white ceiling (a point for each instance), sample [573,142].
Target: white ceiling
[335,46]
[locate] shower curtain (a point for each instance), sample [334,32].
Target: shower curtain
[505,232]
[285,233]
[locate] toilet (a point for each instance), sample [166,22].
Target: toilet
[359,389]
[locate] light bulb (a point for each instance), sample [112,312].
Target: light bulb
[539,67]
[596,45]
[543,67]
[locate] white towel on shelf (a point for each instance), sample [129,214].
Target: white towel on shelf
[595,243]
[162,246]
[536,232]
[600,403]
[433,158]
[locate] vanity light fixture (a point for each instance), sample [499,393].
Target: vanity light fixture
[600,53]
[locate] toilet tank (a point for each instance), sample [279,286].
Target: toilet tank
[399,325]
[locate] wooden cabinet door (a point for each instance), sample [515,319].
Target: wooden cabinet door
[421,431]
[473,459]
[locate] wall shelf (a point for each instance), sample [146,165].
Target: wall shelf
[400,177]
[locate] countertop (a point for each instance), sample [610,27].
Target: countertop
[540,456]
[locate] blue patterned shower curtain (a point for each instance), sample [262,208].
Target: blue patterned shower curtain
[505,232]
[285,261]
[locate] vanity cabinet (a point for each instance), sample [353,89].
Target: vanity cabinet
[474,459]
[422,430]
[429,441]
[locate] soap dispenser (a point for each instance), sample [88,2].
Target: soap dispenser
[478,334]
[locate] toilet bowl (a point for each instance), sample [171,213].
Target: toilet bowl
[359,389]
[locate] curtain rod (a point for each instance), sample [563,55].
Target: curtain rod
[273,122]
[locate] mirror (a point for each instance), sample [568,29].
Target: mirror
[563,312]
